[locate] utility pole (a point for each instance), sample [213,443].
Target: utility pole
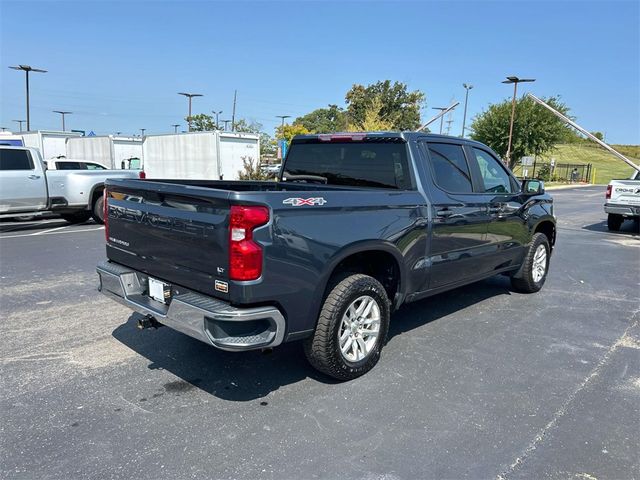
[233,114]
[515,80]
[190,96]
[449,122]
[175,127]
[442,109]
[26,69]
[142,130]
[62,114]
[216,114]
[226,122]
[467,87]
[20,122]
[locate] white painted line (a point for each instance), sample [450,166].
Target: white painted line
[51,232]
[43,232]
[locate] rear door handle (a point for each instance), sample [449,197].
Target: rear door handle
[496,209]
[444,213]
[34,177]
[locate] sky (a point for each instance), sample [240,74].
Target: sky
[118,66]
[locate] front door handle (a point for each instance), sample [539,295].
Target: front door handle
[444,213]
[496,209]
[34,177]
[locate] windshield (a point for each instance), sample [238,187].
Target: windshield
[362,164]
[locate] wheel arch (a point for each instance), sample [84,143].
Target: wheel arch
[547,226]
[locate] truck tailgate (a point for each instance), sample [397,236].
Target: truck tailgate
[174,233]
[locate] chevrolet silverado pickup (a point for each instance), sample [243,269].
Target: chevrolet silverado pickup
[355,226]
[28,189]
[622,201]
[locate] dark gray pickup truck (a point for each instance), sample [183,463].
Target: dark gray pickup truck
[355,226]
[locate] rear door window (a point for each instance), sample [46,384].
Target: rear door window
[15,160]
[450,168]
[70,166]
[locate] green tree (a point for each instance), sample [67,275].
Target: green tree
[268,146]
[535,130]
[251,170]
[399,107]
[324,120]
[373,120]
[290,131]
[244,126]
[201,123]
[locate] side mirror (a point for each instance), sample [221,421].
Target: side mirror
[533,187]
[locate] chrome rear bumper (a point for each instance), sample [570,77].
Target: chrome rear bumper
[202,317]
[627,210]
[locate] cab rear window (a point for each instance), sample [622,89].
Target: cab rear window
[360,164]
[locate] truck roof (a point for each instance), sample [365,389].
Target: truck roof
[381,136]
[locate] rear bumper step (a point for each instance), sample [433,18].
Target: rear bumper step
[202,317]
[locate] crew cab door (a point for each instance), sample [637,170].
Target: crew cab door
[23,186]
[507,231]
[459,228]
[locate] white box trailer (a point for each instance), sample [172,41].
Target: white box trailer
[52,144]
[108,150]
[198,155]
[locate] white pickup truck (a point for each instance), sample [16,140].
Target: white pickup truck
[28,189]
[622,201]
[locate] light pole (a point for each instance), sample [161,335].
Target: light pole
[26,69]
[118,133]
[515,80]
[467,87]
[190,96]
[142,130]
[283,117]
[175,127]
[20,122]
[442,117]
[216,114]
[62,114]
[226,122]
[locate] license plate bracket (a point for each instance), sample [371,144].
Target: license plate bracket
[159,291]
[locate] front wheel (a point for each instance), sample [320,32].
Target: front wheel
[533,272]
[614,222]
[352,328]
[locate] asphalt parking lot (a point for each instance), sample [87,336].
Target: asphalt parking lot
[479,382]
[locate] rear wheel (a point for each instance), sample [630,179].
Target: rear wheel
[77,217]
[614,222]
[352,328]
[98,210]
[533,272]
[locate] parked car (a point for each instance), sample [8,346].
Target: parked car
[27,189]
[64,164]
[356,226]
[622,201]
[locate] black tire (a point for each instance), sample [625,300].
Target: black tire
[614,222]
[77,217]
[323,348]
[97,212]
[525,279]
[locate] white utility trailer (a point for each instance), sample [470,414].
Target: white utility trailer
[109,150]
[198,155]
[50,143]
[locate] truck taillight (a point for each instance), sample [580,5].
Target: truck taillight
[607,195]
[141,174]
[105,214]
[245,255]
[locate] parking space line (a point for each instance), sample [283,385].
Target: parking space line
[52,232]
[43,232]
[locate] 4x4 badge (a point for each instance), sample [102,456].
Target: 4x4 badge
[299,202]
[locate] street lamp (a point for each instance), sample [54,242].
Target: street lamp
[26,69]
[142,130]
[190,96]
[467,87]
[216,114]
[20,122]
[226,122]
[175,127]
[62,114]
[442,117]
[283,118]
[515,80]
